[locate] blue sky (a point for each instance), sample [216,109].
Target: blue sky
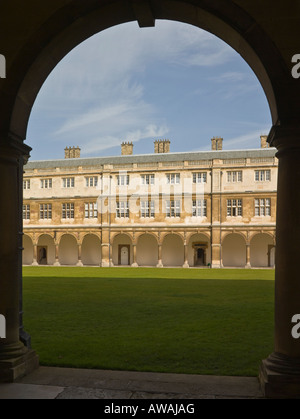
[174,81]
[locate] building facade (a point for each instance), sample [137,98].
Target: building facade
[194,209]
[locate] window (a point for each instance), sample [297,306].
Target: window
[173,178]
[147,179]
[235,176]
[91,181]
[91,210]
[122,209]
[262,207]
[26,184]
[234,207]
[200,177]
[68,182]
[46,183]
[45,211]
[262,175]
[67,211]
[173,208]
[123,180]
[147,209]
[26,212]
[199,208]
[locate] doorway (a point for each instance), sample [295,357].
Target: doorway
[42,255]
[199,254]
[124,254]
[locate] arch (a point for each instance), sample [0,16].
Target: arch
[45,250]
[91,250]
[147,250]
[172,250]
[234,250]
[261,253]
[28,250]
[121,242]
[68,250]
[60,34]
[199,250]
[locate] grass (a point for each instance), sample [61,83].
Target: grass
[199,321]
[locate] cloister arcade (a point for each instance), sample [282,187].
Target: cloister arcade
[168,249]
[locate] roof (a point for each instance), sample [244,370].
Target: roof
[156,157]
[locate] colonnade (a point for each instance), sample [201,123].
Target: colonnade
[238,249]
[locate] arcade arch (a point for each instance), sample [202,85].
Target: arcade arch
[68,250]
[91,250]
[262,250]
[234,250]
[147,250]
[28,250]
[172,250]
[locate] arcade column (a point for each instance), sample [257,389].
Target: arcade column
[16,359]
[280,372]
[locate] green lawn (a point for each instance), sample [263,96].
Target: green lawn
[200,321]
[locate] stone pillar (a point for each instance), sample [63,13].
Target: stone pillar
[56,263]
[186,263]
[134,263]
[35,262]
[15,358]
[248,265]
[79,263]
[159,264]
[280,372]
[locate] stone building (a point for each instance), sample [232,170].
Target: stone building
[193,209]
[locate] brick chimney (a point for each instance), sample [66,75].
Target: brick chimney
[72,152]
[161,146]
[217,143]
[126,149]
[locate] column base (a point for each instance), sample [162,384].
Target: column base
[56,264]
[14,368]
[134,265]
[79,263]
[279,377]
[159,265]
[185,265]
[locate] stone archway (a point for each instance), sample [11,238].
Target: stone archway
[172,250]
[199,250]
[147,250]
[261,254]
[122,252]
[45,250]
[91,250]
[28,250]
[68,250]
[234,251]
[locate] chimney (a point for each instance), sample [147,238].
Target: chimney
[162,146]
[72,152]
[126,149]
[263,141]
[217,143]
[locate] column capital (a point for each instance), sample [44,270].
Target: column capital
[12,147]
[285,138]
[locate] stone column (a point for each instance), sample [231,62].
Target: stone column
[79,263]
[280,372]
[159,264]
[186,263]
[248,265]
[15,358]
[134,263]
[35,262]
[56,263]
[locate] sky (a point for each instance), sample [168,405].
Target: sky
[173,81]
